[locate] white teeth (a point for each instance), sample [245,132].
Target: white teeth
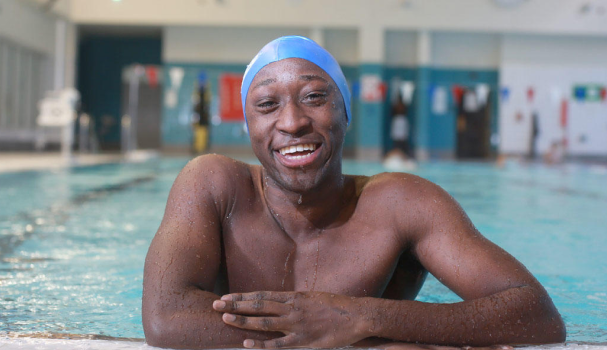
[298,148]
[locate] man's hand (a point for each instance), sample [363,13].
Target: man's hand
[307,319]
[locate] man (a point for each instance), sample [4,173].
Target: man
[314,258]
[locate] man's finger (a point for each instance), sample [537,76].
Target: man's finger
[255,323]
[281,297]
[284,342]
[254,307]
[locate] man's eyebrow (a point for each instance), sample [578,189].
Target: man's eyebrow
[310,77]
[264,83]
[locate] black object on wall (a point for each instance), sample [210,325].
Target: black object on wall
[100,64]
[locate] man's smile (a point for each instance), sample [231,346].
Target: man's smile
[298,155]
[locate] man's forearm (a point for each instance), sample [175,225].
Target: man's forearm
[522,315]
[193,324]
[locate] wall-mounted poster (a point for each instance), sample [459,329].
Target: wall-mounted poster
[230,106]
[371,88]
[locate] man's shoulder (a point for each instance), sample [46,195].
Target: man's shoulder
[214,171]
[214,180]
[402,185]
[217,167]
[401,194]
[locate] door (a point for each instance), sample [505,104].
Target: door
[473,127]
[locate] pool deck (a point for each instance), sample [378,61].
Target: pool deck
[28,161]
[24,161]
[7,343]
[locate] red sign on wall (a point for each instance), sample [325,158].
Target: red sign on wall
[230,107]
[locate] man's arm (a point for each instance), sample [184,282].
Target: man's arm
[503,303]
[183,262]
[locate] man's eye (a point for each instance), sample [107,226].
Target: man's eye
[266,105]
[316,97]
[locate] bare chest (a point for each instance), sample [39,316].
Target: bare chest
[356,259]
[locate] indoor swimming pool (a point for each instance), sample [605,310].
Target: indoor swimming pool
[73,241]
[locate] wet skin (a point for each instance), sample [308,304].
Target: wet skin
[294,254]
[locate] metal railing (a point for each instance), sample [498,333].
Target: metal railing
[87,138]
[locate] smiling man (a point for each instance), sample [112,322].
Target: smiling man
[293,253]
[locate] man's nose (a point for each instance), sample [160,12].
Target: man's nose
[293,120]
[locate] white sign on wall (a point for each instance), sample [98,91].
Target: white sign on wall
[586,126]
[370,88]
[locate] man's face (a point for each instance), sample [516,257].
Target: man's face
[297,123]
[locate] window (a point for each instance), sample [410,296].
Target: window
[22,76]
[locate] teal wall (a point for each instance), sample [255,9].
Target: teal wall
[351,74]
[369,132]
[100,63]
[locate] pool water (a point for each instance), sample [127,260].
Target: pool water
[73,242]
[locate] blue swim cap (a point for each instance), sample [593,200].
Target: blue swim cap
[296,47]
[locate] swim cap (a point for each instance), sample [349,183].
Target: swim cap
[296,47]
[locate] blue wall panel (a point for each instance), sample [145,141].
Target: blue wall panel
[370,115]
[351,74]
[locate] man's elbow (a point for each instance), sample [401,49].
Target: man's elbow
[164,332]
[555,331]
[551,328]
[157,332]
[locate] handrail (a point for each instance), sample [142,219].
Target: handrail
[126,142]
[87,139]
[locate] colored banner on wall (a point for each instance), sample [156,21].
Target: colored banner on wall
[230,106]
[590,93]
[458,93]
[504,94]
[530,94]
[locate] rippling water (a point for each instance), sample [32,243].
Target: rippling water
[73,242]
